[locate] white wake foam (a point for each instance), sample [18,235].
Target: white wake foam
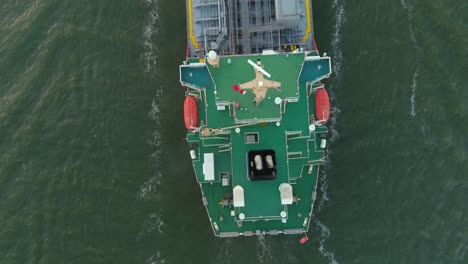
[225,251]
[408,6]
[323,190]
[414,85]
[404,4]
[154,114]
[149,189]
[154,223]
[263,250]
[289,256]
[338,7]
[156,259]
[413,38]
[340,18]
[338,60]
[324,233]
[150,29]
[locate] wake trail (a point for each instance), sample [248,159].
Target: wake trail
[225,251]
[338,61]
[149,189]
[263,250]
[156,259]
[153,224]
[324,233]
[338,6]
[408,6]
[150,29]
[414,85]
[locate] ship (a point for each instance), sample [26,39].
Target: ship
[256,111]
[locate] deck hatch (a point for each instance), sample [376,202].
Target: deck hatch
[208,166]
[251,138]
[224,178]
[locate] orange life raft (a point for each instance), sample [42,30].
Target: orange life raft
[322,106]
[191,113]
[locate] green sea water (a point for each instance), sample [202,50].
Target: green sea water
[93,168]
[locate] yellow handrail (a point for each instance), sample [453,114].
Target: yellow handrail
[190,21]
[309,22]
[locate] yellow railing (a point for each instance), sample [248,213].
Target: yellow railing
[190,21]
[309,22]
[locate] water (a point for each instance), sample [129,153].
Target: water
[93,168]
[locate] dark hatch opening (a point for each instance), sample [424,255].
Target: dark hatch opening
[261,165]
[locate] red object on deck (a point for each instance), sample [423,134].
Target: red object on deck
[235,87]
[242,92]
[191,113]
[304,240]
[322,106]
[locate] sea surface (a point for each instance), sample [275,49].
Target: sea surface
[94,169]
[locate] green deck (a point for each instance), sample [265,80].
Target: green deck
[283,128]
